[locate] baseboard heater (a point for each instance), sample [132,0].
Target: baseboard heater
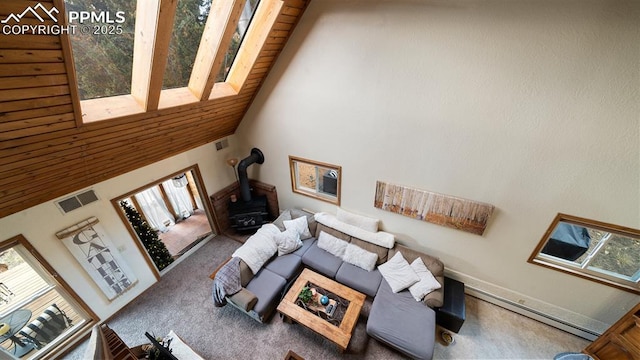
[532,313]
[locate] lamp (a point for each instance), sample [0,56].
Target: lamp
[180,181]
[233,162]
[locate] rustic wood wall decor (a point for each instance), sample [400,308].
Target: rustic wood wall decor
[449,211]
[88,243]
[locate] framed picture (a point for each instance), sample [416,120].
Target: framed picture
[95,252]
[450,211]
[315,179]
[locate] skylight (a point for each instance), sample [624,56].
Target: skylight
[103,52]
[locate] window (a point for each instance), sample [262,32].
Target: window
[243,24]
[190,18]
[172,54]
[31,291]
[103,61]
[315,179]
[606,253]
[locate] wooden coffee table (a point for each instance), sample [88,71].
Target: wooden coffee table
[339,334]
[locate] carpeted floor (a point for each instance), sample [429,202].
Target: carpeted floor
[182,302]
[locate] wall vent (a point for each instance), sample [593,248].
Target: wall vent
[222,144]
[76,201]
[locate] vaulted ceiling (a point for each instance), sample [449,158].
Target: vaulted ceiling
[48,150]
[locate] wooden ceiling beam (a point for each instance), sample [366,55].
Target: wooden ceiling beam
[255,38]
[216,38]
[150,50]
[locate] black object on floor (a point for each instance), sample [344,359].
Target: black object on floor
[452,314]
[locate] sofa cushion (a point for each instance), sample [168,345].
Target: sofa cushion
[311,221]
[427,283]
[300,225]
[286,266]
[267,287]
[245,273]
[360,257]
[306,244]
[367,282]
[398,273]
[288,241]
[399,321]
[383,252]
[258,248]
[363,222]
[331,231]
[285,215]
[332,244]
[321,261]
[435,266]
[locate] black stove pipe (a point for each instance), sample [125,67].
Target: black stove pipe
[255,157]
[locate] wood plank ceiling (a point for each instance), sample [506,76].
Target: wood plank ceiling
[45,149]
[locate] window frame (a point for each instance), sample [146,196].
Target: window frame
[296,187]
[584,269]
[61,286]
[149,64]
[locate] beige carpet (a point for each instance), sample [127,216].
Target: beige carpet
[182,302]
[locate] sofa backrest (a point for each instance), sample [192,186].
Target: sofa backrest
[435,266]
[382,252]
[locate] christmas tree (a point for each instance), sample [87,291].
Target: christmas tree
[149,238]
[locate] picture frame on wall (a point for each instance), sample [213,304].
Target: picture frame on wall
[95,252]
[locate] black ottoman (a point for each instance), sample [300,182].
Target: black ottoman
[452,313]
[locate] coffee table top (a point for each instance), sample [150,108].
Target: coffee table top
[340,335]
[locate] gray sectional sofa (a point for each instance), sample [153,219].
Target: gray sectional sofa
[395,319]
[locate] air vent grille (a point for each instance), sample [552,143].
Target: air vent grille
[77,201]
[222,144]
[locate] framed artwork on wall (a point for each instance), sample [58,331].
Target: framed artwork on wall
[450,211]
[97,255]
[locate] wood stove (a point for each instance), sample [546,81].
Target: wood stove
[248,212]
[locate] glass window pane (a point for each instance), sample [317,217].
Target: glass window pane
[328,181]
[103,52]
[619,255]
[190,19]
[307,176]
[243,24]
[28,292]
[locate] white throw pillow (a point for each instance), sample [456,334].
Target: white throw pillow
[258,248]
[360,221]
[398,273]
[288,241]
[427,283]
[332,244]
[301,225]
[360,257]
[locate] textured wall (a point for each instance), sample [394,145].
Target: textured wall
[530,106]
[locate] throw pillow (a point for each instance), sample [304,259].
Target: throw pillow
[285,215]
[301,226]
[360,257]
[427,283]
[398,273]
[360,221]
[288,241]
[332,244]
[258,248]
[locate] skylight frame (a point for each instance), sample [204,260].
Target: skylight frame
[150,58]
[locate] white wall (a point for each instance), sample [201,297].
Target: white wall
[40,223]
[530,106]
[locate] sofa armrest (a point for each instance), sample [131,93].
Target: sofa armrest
[435,298]
[243,299]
